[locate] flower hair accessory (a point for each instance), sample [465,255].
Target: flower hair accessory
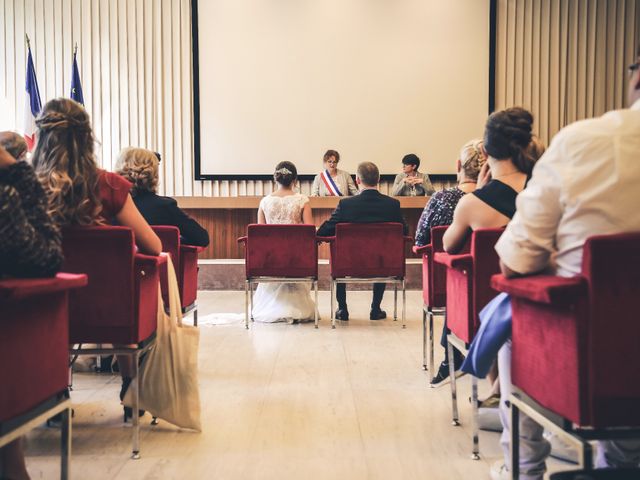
[283,171]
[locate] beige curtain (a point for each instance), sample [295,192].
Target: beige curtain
[564,60]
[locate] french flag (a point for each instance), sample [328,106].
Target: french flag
[32,103]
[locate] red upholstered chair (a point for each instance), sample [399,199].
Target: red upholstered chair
[185,262]
[119,306]
[369,253]
[575,364]
[280,253]
[468,291]
[34,348]
[434,291]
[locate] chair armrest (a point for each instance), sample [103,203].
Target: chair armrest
[325,239]
[151,261]
[422,250]
[242,239]
[457,262]
[549,289]
[17,288]
[190,249]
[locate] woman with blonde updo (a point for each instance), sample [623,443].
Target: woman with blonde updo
[140,167]
[81,194]
[439,209]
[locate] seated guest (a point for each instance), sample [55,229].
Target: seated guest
[14,144]
[80,193]
[370,206]
[333,182]
[140,167]
[30,246]
[585,184]
[439,209]
[507,140]
[411,182]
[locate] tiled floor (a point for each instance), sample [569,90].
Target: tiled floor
[283,402]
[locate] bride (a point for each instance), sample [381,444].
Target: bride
[284,302]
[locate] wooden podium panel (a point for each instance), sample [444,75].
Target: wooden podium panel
[226,219]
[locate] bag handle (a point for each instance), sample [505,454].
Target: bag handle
[175,305]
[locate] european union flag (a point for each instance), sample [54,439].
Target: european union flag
[76,87]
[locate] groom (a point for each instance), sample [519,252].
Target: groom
[370,206]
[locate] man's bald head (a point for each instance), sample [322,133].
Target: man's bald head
[14,143]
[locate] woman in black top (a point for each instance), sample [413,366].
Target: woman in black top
[512,152]
[140,167]
[507,141]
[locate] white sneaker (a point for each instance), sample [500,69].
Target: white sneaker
[560,449]
[499,471]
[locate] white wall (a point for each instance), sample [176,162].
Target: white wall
[373,80]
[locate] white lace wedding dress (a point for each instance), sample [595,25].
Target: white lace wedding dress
[283,302]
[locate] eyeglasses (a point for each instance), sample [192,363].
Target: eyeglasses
[332,162]
[633,67]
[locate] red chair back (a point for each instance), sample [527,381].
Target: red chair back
[368,250]
[468,291]
[434,275]
[170,238]
[281,251]
[611,264]
[120,303]
[576,355]
[34,344]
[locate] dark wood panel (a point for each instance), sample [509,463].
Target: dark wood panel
[226,225]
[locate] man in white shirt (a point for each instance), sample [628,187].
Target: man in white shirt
[585,184]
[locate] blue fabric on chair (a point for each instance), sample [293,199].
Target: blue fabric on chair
[494,331]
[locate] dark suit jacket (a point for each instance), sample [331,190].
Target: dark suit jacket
[370,206]
[158,210]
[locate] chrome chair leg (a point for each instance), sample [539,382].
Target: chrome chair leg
[251,293]
[515,442]
[333,314]
[195,316]
[475,454]
[452,376]
[404,305]
[246,304]
[136,407]
[395,302]
[424,337]
[431,353]
[65,444]
[315,290]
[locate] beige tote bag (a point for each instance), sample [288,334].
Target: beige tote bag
[169,372]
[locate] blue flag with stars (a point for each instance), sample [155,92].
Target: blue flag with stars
[76,87]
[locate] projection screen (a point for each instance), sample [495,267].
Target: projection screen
[374,79]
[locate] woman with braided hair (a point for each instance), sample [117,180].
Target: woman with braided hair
[79,193]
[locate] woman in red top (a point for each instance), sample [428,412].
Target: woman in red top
[79,192]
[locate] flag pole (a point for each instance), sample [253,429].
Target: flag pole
[75,50]
[28,41]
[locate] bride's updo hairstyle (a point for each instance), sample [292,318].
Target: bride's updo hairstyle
[285,174]
[507,134]
[65,163]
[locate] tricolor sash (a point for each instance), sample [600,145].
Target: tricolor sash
[330,184]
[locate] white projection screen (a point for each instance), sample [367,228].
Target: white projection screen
[374,79]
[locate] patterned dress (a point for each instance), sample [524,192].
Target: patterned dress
[439,211]
[30,243]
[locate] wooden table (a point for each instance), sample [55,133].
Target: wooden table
[226,219]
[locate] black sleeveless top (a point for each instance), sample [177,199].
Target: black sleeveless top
[498,196]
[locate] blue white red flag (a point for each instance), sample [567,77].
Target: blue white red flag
[330,184]
[32,104]
[76,87]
